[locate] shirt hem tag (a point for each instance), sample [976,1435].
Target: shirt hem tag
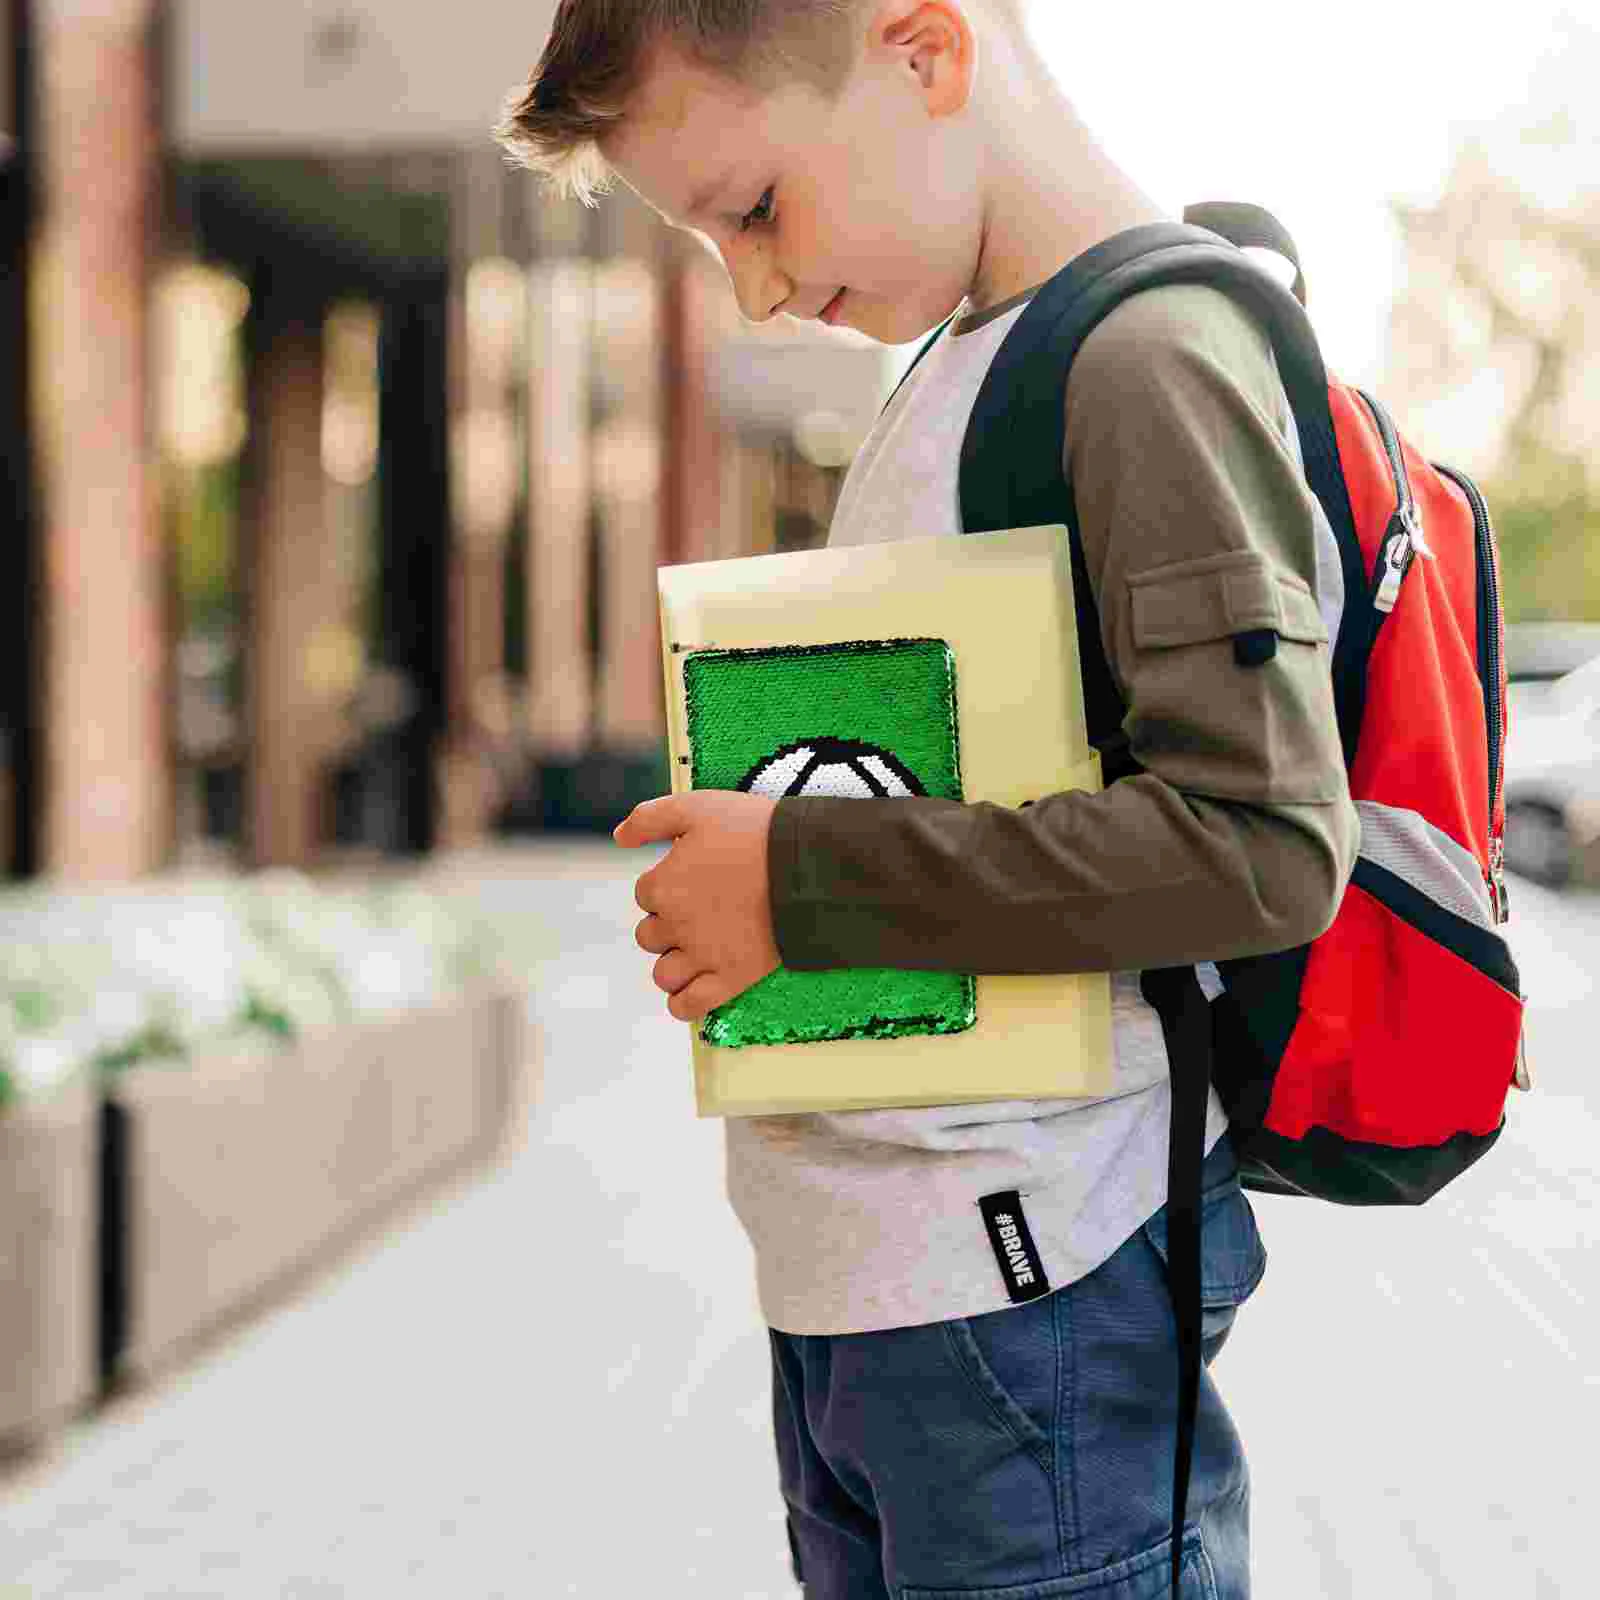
[1013,1246]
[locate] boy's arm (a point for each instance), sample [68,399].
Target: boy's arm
[1239,836]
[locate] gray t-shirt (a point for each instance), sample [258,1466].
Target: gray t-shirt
[865,1220]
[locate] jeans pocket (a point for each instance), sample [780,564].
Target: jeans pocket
[1011,1359]
[1146,1576]
[1232,1257]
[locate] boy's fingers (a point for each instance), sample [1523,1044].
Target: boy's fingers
[644,890]
[675,971]
[693,1002]
[650,821]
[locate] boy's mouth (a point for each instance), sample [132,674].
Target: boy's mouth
[830,312]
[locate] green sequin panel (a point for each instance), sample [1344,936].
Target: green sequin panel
[863,720]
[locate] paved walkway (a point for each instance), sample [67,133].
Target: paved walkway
[550,1382]
[553,1381]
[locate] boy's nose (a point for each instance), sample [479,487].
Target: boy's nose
[761,290]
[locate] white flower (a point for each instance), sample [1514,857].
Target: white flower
[116,1015]
[392,974]
[42,1062]
[86,973]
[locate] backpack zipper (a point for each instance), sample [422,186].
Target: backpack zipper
[1401,543]
[1403,539]
[1489,631]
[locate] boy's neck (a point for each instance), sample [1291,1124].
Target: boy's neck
[1050,191]
[1019,254]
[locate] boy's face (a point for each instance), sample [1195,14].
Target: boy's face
[875,193]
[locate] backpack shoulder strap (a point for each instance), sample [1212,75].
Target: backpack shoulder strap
[1025,388]
[1246,226]
[1012,466]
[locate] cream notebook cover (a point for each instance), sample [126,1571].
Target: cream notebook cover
[924,666]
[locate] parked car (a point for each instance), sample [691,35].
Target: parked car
[1549,649]
[1553,778]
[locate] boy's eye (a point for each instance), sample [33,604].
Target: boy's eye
[760,212]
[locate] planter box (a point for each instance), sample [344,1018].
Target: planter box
[509,1072]
[431,1067]
[49,1268]
[242,1168]
[215,1199]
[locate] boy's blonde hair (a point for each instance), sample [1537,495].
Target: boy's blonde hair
[597,51]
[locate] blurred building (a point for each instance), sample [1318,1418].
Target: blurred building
[15,503]
[340,460]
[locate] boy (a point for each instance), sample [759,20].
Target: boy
[882,164]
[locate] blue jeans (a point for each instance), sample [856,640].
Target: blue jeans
[1025,1454]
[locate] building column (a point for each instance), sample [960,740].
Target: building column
[560,693]
[290,724]
[628,456]
[488,307]
[696,445]
[413,602]
[18,507]
[107,809]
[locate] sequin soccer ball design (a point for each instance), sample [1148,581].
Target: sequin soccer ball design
[848,769]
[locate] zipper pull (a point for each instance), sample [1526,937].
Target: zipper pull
[1497,878]
[1520,1077]
[1411,516]
[1398,552]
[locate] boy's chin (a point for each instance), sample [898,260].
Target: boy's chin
[910,323]
[887,324]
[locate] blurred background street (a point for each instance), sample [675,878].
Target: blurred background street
[554,1381]
[337,462]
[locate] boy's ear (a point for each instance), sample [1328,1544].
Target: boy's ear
[934,38]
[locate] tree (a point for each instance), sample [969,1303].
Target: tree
[1495,335]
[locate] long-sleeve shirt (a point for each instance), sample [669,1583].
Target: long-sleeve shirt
[1237,838]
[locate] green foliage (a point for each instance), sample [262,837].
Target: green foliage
[158,1041]
[261,1014]
[1546,515]
[36,1008]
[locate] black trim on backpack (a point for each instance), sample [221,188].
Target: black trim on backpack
[1480,947]
[1251,1024]
[1252,1021]
[1328,1166]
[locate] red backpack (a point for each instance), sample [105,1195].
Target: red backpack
[1371,1066]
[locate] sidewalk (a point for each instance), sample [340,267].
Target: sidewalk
[550,1381]
[553,1380]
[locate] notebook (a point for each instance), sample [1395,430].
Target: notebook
[942,667]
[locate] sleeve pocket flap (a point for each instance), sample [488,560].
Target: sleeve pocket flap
[1190,602]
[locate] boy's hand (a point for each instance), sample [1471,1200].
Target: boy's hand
[710,916]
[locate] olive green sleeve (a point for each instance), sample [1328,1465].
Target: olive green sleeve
[1239,835]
